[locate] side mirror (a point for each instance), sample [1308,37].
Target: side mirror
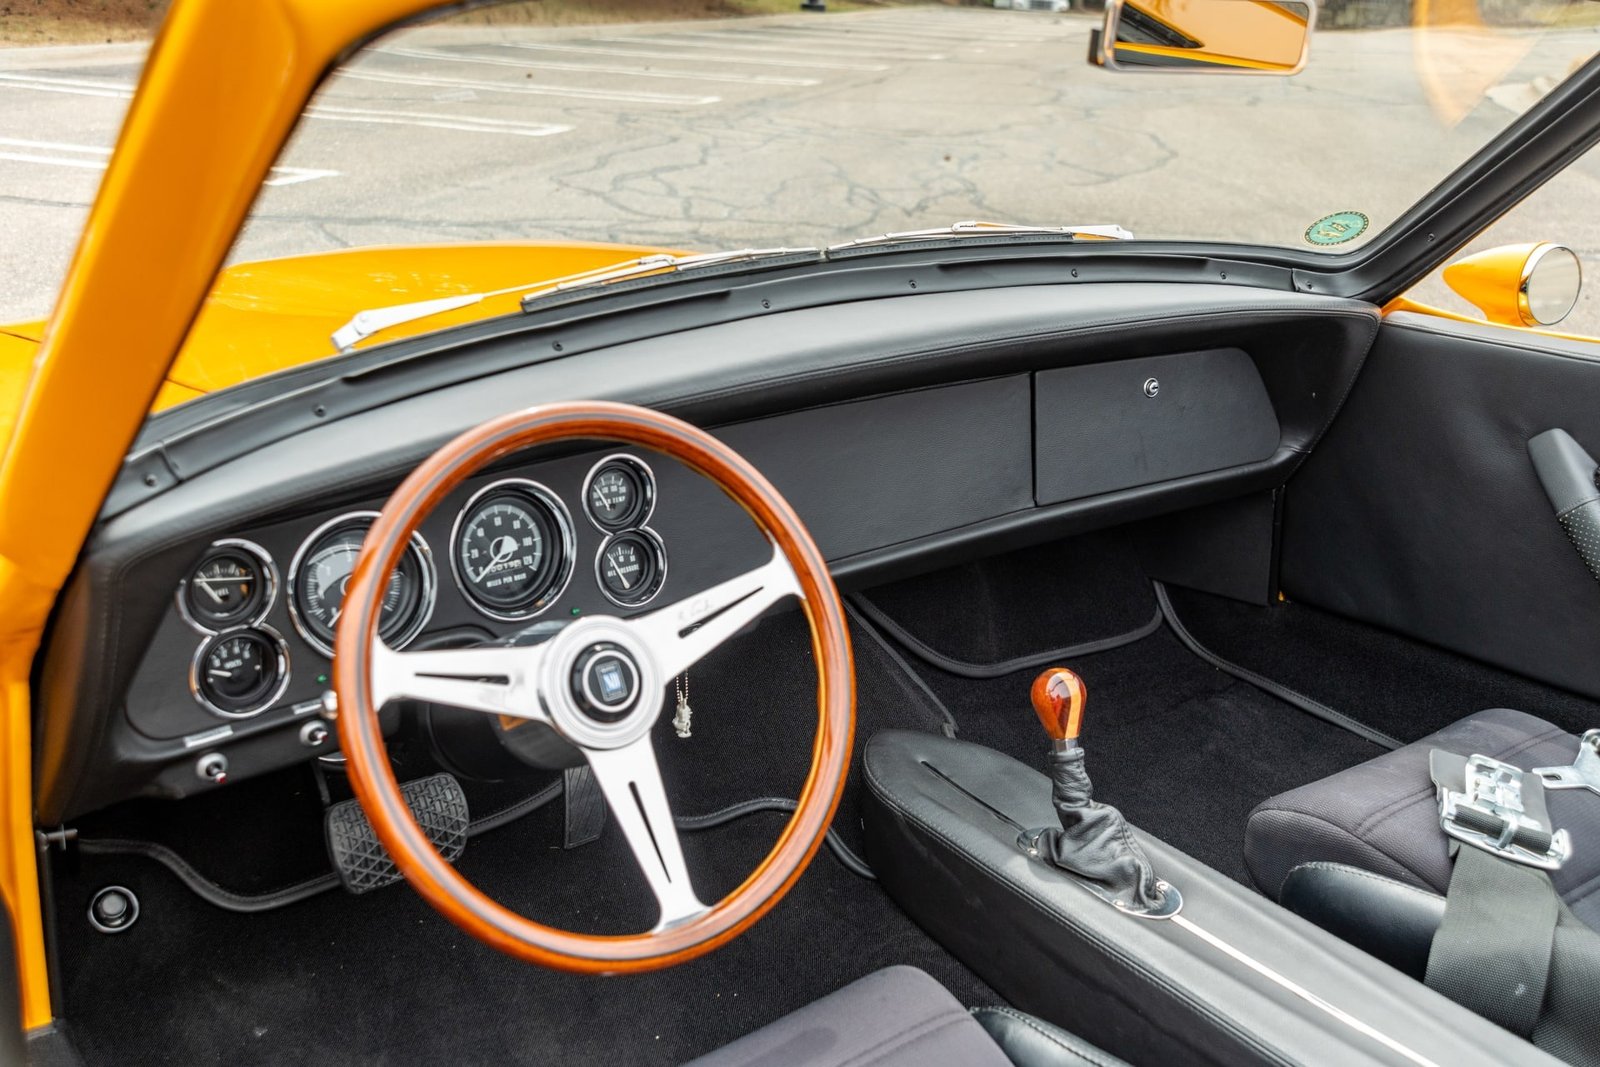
[1205,36]
[1520,285]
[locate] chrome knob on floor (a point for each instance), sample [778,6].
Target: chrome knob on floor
[113,909]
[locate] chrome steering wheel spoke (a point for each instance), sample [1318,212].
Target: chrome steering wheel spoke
[630,778]
[495,680]
[682,634]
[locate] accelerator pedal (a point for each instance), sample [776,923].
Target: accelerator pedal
[440,808]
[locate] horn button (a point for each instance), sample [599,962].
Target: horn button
[605,683]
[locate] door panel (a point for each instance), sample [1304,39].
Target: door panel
[1421,510]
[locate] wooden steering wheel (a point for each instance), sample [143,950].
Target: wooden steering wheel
[600,683]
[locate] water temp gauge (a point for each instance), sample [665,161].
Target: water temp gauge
[631,567]
[619,493]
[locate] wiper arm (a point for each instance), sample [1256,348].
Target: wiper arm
[976,228]
[374,320]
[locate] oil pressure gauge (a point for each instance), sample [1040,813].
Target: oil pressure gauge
[631,567]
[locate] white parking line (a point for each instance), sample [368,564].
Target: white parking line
[644,53]
[91,157]
[952,35]
[386,117]
[532,89]
[746,41]
[325,112]
[868,38]
[590,68]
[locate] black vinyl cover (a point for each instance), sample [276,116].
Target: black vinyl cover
[1421,511]
[1153,991]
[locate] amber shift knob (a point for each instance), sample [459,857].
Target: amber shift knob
[1058,699]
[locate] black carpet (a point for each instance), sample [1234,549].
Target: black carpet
[383,979]
[1404,687]
[1184,750]
[1070,592]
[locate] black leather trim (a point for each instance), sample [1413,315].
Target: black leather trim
[1149,991]
[1389,919]
[1029,1041]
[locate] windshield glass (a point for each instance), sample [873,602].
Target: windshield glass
[702,125]
[812,129]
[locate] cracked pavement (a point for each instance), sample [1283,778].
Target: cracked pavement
[790,130]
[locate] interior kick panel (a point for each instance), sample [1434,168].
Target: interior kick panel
[901,429]
[1422,510]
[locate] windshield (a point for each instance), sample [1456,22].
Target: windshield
[580,121]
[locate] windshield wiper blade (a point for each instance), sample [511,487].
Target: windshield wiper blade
[664,264]
[978,228]
[374,320]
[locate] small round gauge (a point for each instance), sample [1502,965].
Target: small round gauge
[619,493]
[320,577]
[512,549]
[233,584]
[238,673]
[631,567]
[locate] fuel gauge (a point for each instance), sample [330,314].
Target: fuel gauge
[232,585]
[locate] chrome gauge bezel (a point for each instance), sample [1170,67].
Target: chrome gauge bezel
[269,572]
[564,566]
[657,546]
[647,488]
[272,698]
[428,595]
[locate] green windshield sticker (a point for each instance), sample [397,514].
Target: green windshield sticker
[1337,228]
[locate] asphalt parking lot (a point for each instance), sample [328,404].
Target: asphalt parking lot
[798,129]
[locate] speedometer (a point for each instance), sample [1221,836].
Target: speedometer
[320,576]
[512,549]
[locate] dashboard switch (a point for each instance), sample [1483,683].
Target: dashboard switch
[212,767]
[314,734]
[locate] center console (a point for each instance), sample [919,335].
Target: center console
[1217,975]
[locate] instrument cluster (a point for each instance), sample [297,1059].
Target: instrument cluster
[512,553]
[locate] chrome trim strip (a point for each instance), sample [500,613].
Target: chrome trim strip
[269,573]
[1303,993]
[542,494]
[210,737]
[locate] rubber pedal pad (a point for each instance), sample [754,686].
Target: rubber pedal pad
[437,803]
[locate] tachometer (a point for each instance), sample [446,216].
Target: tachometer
[631,567]
[512,549]
[238,673]
[320,576]
[233,584]
[619,493]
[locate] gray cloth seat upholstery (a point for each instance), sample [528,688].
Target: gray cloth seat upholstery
[1382,816]
[900,1017]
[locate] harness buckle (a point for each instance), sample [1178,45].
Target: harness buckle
[1492,813]
[1582,773]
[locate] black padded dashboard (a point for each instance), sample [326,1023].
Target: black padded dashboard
[906,432]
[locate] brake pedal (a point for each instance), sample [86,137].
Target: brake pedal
[437,803]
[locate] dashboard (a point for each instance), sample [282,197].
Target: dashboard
[247,645]
[191,646]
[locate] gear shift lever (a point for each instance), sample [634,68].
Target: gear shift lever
[1093,841]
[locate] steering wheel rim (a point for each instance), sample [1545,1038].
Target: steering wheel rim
[359,653]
